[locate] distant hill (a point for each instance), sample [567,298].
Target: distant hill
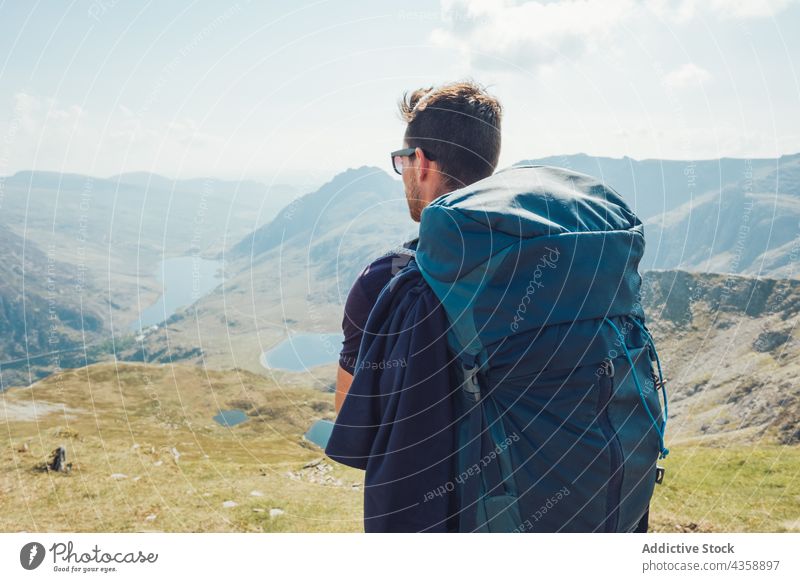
[732,231]
[653,187]
[105,237]
[352,203]
[291,274]
[42,312]
[146,213]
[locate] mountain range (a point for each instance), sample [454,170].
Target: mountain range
[718,288]
[735,227]
[81,254]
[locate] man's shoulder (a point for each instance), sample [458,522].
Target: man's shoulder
[364,295]
[407,251]
[389,264]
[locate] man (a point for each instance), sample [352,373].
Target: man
[452,139]
[523,401]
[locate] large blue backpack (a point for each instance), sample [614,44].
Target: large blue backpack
[560,421]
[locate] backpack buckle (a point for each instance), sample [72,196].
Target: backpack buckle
[608,367]
[658,384]
[660,474]
[471,386]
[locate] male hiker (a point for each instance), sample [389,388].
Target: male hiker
[452,139]
[528,400]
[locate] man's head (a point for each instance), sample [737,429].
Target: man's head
[454,131]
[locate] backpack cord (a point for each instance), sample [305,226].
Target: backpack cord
[658,364]
[659,429]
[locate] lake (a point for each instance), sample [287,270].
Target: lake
[320,433]
[184,280]
[302,351]
[230,417]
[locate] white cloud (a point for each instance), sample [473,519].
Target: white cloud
[683,10]
[506,34]
[686,76]
[188,132]
[45,115]
[749,8]
[503,34]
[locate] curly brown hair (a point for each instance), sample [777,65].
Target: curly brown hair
[459,125]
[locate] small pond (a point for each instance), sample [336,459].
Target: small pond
[230,417]
[320,432]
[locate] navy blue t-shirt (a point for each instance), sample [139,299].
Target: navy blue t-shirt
[362,298]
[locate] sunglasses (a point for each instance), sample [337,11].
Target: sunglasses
[397,158]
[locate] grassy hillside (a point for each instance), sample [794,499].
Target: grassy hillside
[147,456]
[747,488]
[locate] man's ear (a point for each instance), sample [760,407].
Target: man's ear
[423,164]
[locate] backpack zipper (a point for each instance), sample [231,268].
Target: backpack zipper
[614,491]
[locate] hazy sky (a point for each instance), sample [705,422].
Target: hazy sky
[297,91]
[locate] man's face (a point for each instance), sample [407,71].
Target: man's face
[412,189]
[413,194]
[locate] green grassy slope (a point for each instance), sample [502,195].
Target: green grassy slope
[147,456]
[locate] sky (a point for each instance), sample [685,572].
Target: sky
[295,92]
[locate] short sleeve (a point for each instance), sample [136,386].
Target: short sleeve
[362,298]
[356,312]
